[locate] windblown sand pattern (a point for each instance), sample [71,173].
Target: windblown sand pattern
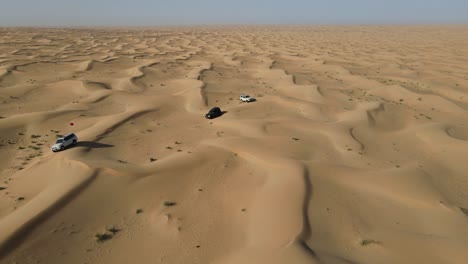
[355,152]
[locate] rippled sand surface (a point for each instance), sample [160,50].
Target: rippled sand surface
[354,152]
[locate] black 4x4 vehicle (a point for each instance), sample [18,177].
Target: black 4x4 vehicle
[213,113]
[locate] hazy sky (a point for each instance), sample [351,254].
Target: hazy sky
[190,12]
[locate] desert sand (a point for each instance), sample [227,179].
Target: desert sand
[354,152]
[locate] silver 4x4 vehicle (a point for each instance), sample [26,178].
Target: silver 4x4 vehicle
[65,141]
[246,98]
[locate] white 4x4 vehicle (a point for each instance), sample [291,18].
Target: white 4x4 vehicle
[65,141]
[246,98]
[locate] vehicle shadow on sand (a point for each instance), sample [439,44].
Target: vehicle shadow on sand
[221,114]
[91,145]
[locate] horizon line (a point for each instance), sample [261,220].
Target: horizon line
[241,25]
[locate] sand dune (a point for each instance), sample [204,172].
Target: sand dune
[354,151]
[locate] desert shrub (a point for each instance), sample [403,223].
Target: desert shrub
[168,203]
[101,237]
[367,242]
